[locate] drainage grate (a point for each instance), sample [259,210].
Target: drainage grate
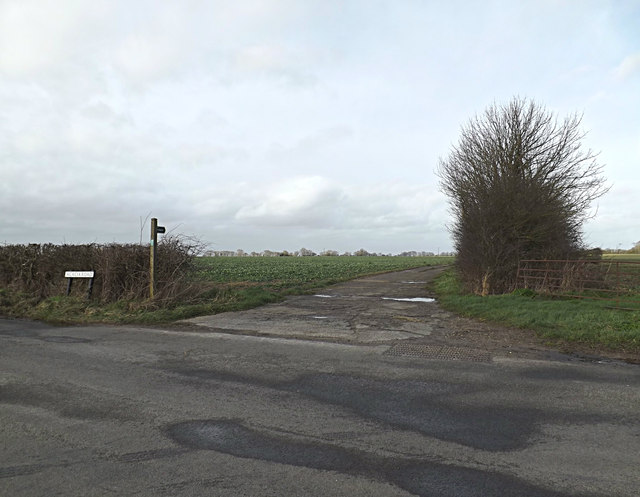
[441,352]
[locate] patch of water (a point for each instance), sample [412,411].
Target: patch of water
[415,282]
[320,317]
[414,299]
[323,296]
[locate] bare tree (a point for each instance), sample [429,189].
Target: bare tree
[520,186]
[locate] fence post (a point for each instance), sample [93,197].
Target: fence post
[618,289]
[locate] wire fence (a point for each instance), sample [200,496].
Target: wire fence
[614,282]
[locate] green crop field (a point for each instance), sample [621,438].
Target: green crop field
[286,271]
[622,257]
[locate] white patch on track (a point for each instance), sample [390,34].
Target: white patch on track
[414,299]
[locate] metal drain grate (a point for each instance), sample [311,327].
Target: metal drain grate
[441,352]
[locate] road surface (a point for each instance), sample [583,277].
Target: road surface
[105,410]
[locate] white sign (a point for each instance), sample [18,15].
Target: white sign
[78,274]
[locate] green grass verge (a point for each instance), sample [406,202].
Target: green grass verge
[555,319]
[227,284]
[77,310]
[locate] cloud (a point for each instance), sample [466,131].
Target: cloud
[318,212]
[39,36]
[283,63]
[629,66]
[158,45]
[305,201]
[613,226]
[316,202]
[314,144]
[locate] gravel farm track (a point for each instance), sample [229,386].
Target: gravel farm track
[379,310]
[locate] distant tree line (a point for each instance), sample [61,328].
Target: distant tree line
[633,250]
[304,252]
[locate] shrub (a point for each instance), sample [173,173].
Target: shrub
[121,270]
[520,187]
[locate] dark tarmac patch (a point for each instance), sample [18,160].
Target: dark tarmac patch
[66,401]
[231,437]
[418,406]
[21,329]
[63,339]
[424,407]
[18,333]
[420,478]
[443,480]
[16,328]
[147,455]
[22,470]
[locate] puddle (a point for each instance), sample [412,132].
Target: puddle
[320,317]
[323,296]
[414,299]
[414,282]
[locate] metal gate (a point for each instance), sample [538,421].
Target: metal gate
[617,282]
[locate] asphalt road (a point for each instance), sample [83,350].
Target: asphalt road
[129,411]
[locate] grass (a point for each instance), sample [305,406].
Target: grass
[226,284]
[555,319]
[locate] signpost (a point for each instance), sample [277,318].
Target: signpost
[79,274]
[155,229]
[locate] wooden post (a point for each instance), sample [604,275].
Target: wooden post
[618,287]
[152,256]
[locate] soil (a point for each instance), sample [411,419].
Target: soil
[394,309]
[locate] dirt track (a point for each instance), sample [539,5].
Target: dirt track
[364,311]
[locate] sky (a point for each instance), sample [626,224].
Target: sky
[282,124]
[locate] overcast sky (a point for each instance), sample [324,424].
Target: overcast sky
[281,124]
